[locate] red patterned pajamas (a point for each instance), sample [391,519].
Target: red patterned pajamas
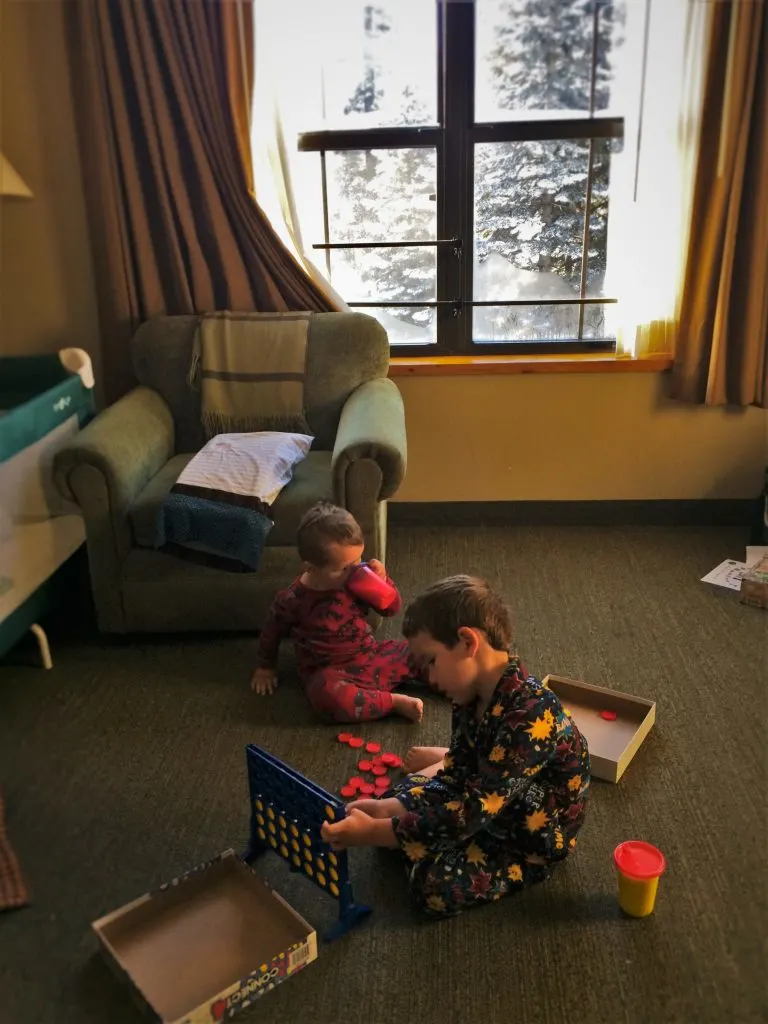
[348,676]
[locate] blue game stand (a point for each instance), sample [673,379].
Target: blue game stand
[287,811]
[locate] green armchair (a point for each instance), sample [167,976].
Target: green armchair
[122,465]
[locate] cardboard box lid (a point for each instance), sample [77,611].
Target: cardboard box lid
[193,940]
[612,744]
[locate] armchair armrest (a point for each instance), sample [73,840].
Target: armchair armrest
[126,444]
[103,469]
[372,430]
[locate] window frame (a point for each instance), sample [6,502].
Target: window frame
[454,139]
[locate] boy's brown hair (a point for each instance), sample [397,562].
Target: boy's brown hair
[459,601]
[325,524]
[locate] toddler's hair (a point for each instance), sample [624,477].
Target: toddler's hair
[325,524]
[459,601]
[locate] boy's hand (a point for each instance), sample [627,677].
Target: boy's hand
[354,830]
[381,807]
[378,568]
[264,682]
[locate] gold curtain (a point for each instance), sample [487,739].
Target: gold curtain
[163,94]
[722,336]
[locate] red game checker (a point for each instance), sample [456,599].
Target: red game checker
[356,782]
[344,737]
[347,792]
[373,748]
[367,789]
[391,760]
[382,782]
[364,766]
[609,716]
[356,742]
[379,769]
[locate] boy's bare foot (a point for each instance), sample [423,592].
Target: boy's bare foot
[418,758]
[386,808]
[408,707]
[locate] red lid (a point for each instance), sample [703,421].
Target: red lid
[639,860]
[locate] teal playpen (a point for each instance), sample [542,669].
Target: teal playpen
[44,400]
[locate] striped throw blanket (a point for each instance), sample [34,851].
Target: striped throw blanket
[250,368]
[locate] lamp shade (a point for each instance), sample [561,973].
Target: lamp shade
[10,182]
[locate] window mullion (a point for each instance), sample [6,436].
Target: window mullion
[326,215]
[455,170]
[590,170]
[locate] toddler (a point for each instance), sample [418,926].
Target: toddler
[348,675]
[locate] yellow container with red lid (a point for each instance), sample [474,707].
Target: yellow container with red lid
[640,865]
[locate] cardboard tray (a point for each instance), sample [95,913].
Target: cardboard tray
[612,745]
[207,944]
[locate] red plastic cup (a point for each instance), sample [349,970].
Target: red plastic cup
[363,582]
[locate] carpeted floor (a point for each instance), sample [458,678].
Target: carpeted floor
[124,766]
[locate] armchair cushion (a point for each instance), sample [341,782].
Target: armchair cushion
[145,510]
[311,483]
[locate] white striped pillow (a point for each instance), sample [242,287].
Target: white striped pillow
[258,464]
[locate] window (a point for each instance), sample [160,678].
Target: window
[462,156]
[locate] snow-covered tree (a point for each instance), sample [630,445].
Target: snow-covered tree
[530,196]
[385,195]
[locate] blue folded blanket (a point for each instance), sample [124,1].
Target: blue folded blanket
[225,529]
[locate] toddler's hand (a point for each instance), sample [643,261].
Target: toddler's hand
[264,682]
[378,568]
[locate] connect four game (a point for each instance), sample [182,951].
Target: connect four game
[287,811]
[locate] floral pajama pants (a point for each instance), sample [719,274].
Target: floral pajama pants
[448,877]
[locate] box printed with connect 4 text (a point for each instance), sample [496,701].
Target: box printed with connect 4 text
[206,945]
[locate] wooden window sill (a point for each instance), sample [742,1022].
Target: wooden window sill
[447,366]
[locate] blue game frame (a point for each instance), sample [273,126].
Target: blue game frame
[287,810]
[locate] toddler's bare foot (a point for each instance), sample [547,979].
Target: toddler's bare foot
[408,707]
[418,758]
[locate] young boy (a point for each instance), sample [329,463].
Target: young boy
[503,804]
[347,674]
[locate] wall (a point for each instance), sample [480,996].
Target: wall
[47,297]
[574,437]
